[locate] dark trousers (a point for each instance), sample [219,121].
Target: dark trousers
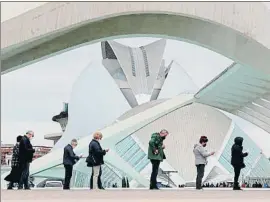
[24,179]
[200,174]
[99,179]
[154,174]
[68,175]
[237,171]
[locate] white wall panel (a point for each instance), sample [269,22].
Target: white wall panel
[177,82]
[96,101]
[186,125]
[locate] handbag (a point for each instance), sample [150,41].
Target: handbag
[90,160]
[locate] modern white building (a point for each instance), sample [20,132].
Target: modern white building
[113,104]
[128,149]
[137,71]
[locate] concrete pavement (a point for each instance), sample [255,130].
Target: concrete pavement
[191,195]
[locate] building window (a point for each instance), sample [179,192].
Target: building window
[147,73]
[131,152]
[132,61]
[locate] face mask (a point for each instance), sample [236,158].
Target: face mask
[164,137]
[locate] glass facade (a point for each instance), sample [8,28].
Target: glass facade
[110,176]
[256,163]
[261,169]
[131,152]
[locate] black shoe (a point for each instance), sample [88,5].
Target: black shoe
[10,188]
[27,188]
[102,188]
[20,188]
[237,188]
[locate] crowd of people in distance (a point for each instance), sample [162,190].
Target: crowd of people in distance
[255,185]
[244,185]
[23,154]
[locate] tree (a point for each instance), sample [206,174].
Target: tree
[127,183]
[124,185]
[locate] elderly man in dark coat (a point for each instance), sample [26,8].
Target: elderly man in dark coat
[26,154]
[69,160]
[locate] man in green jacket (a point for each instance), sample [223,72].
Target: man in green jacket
[156,154]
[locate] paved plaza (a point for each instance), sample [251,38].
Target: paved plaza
[139,195]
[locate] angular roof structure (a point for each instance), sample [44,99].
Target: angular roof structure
[137,71]
[242,91]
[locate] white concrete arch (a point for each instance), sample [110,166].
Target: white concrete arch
[232,29]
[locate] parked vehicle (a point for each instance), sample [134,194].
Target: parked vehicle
[53,184]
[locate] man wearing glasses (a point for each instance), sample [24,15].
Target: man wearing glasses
[26,153]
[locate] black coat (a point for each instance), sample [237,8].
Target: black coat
[26,151]
[96,154]
[237,153]
[69,157]
[15,175]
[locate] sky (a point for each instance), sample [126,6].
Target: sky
[31,96]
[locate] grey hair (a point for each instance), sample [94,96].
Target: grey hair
[74,141]
[164,131]
[29,132]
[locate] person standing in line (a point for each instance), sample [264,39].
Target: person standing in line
[26,154]
[69,159]
[237,160]
[15,174]
[99,177]
[95,158]
[201,155]
[99,180]
[156,154]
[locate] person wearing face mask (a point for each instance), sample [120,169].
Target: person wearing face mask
[69,160]
[237,160]
[95,159]
[201,155]
[26,154]
[156,154]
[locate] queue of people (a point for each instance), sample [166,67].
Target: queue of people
[23,153]
[94,160]
[156,155]
[237,160]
